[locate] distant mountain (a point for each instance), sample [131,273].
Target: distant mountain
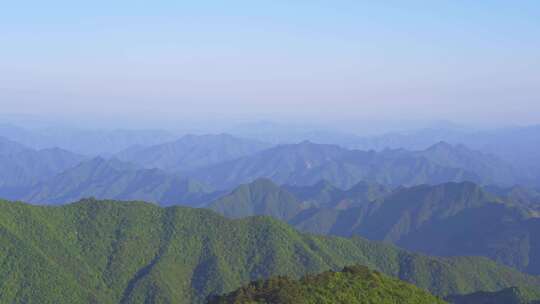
[325,195]
[518,195]
[307,163]
[450,219]
[114,252]
[406,209]
[354,284]
[282,164]
[491,168]
[420,139]
[290,133]
[261,197]
[23,166]
[264,197]
[192,152]
[21,135]
[86,142]
[519,146]
[114,179]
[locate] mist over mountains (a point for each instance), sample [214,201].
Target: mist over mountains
[451,206]
[518,145]
[23,166]
[83,141]
[191,152]
[306,163]
[221,162]
[269,152]
[114,179]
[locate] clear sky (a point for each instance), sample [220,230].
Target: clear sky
[464,61]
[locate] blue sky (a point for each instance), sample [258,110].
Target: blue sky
[465,61]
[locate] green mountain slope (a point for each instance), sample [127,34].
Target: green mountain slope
[113,252]
[261,197]
[449,219]
[264,197]
[355,284]
[114,179]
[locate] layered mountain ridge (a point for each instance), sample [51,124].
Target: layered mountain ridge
[113,252]
[307,163]
[449,219]
[114,179]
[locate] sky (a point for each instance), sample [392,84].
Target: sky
[474,62]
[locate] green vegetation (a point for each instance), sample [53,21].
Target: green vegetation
[114,252]
[353,285]
[450,219]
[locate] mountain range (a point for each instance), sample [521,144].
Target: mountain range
[372,206]
[449,219]
[133,252]
[54,176]
[23,166]
[287,210]
[518,145]
[115,179]
[87,142]
[191,152]
[198,165]
[307,163]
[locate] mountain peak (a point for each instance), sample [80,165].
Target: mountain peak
[306,142]
[98,159]
[441,145]
[263,181]
[260,197]
[7,146]
[324,184]
[360,281]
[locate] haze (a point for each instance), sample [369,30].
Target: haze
[325,61]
